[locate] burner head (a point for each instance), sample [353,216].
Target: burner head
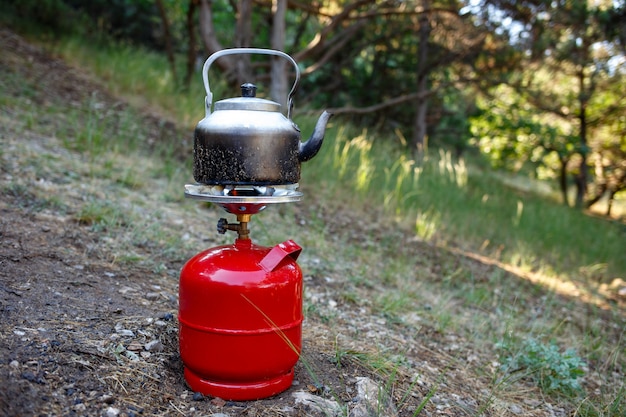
[237,199]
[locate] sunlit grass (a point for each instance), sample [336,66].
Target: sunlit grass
[450,203]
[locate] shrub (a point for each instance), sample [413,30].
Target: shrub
[552,370]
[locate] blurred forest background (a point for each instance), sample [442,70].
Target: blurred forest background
[536,87]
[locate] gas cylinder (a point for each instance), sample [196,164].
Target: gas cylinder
[240,319]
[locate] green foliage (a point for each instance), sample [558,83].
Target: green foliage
[510,134]
[558,107]
[553,370]
[134,21]
[40,15]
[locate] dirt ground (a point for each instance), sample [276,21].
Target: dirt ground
[82,334]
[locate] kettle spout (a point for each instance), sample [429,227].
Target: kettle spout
[309,149]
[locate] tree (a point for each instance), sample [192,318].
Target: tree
[363,57]
[568,64]
[423,31]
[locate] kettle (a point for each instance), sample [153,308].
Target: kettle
[247,140]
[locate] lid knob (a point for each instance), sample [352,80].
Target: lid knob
[248,90]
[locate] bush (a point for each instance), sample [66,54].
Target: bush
[552,370]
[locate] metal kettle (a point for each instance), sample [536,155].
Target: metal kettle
[247,140]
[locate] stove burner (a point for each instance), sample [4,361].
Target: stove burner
[243,199]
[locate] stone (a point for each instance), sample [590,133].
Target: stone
[112,412]
[372,400]
[154,346]
[134,346]
[316,405]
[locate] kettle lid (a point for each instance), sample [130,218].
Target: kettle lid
[247,101]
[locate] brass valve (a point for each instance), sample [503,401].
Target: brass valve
[241,228]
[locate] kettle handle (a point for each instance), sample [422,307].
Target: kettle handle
[205,72]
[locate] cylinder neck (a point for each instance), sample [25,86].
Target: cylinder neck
[242,231]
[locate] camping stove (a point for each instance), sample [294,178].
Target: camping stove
[240,305]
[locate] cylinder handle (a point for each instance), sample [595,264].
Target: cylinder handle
[278,253]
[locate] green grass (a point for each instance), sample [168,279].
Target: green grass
[450,202]
[140,76]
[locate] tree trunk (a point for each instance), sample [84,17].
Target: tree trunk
[242,40]
[581,177]
[563,179]
[609,205]
[209,37]
[279,83]
[167,37]
[191,47]
[419,134]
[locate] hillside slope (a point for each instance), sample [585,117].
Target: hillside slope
[92,243]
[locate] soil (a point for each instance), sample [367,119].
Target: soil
[83,333]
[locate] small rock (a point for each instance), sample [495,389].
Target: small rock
[126,333]
[154,345]
[532,402]
[112,412]
[314,403]
[126,290]
[516,409]
[472,358]
[197,396]
[218,402]
[107,399]
[37,378]
[134,346]
[370,398]
[14,364]
[152,296]
[167,316]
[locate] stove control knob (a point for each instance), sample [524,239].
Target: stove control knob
[222,226]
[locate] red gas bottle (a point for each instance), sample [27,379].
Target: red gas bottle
[240,319]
